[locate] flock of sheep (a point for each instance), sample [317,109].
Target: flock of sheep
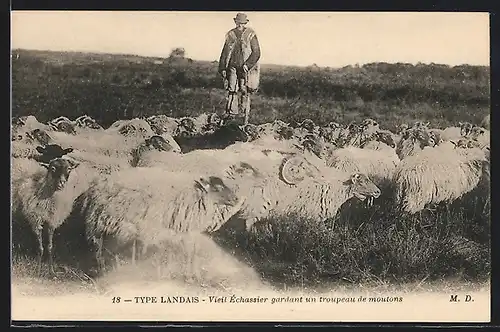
[142,180]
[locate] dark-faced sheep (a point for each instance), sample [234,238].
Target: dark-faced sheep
[219,139]
[46,198]
[50,152]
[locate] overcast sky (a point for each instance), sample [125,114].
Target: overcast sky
[290,38]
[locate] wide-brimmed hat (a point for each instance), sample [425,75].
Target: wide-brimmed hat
[241,18]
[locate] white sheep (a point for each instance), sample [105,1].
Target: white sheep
[106,143]
[378,165]
[46,198]
[137,128]
[24,143]
[453,133]
[102,164]
[480,135]
[141,204]
[23,167]
[28,123]
[379,140]
[163,124]
[439,174]
[321,199]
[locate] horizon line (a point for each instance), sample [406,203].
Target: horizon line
[264,64]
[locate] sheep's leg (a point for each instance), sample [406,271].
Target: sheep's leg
[98,255]
[50,237]
[39,237]
[134,249]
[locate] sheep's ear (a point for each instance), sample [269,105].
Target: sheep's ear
[46,165]
[202,184]
[40,149]
[68,150]
[453,142]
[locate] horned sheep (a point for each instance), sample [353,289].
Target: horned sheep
[379,165]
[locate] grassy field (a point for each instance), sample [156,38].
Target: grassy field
[362,246]
[108,87]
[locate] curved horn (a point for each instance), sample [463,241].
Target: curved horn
[294,169]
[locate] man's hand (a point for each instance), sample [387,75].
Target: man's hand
[223,73]
[245,68]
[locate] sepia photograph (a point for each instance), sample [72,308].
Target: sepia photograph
[250,166]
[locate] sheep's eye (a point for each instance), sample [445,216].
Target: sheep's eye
[52,169]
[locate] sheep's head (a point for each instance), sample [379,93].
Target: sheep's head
[127,129]
[369,125]
[64,126]
[465,128]
[214,118]
[217,191]
[333,125]
[476,132]
[285,133]
[421,125]
[353,128]
[51,151]
[385,138]
[327,133]
[307,124]
[188,124]
[402,128]
[279,124]
[361,187]
[313,146]
[425,137]
[91,123]
[465,143]
[59,170]
[157,128]
[159,143]
[39,135]
[252,131]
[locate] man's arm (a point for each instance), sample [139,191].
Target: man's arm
[223,55]
[255,56]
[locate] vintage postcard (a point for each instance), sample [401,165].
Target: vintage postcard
[250,166]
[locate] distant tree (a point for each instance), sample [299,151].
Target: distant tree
[178,52]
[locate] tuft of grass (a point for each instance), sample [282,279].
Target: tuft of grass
[366,246]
